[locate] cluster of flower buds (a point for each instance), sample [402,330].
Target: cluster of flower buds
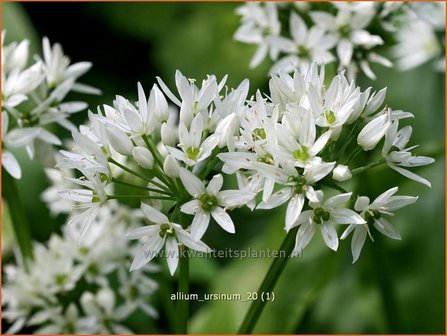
[351,33]
[298,145]
[33,97]
[69,288]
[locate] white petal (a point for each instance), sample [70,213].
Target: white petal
[143,231]
[398,202]
[11,165]
[410,175]
[329,236]
[200,224]
[303,237]
[186,239]
[315,173]
[215,184]
[278,198]
[153,214]
[344,52]
[235,198]
[223,219]
[293,210]
[190,207]
[346,216]
[382,199]
[119,141]
[172,254]
[358,240]
[361,203]
[385,227]
[191,182]
[338,200]
[147,252]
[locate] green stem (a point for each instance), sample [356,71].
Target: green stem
[371,165]
[20,222]
[139,196]
[268,284]
[160,191]
[183,287]
[133,172]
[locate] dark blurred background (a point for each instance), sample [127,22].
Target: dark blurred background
[395,287]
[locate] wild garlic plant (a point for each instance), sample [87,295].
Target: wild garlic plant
[352,34]
[34,96]
[69,288]
[295,145]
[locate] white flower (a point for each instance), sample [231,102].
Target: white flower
[57,66]
[417,44]
[296,188]
[396,159]
[163,232]
[297,138]
[305,47]
[325,214]
[260,25]
[208,201]
[193,101]
[385,204]
[348,26]
[194,148]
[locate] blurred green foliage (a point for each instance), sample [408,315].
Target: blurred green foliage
[396,286]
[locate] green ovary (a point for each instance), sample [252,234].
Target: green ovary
[330,117]
[321,215]
[301,154]
[208,202]
[267,158]
[258,134]
[166,229]
[192,153]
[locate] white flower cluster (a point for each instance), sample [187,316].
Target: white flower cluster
[33,97]
[422,36]
[69,288]
[294,145]
[351,33]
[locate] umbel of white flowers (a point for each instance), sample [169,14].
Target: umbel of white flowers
[351,33]
[36,296]
[33,97]
[296,144]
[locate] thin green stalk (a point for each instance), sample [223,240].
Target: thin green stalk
[20,222]
[160,191]
[353,154]
[133,172]
[268,284]
[139,196]
[371,165]
[183,287]
[130,171]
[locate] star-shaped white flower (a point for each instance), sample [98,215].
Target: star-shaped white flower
[324,214]
[162,233]
[209,202]
[373,213]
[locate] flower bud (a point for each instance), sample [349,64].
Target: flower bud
[143,157]
[119,141]
[226,128]
[158,104]
[171,167]
[341,173]
[168,135]
[373,132]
